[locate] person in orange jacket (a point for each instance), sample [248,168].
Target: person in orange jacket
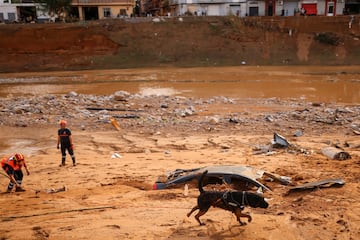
[66,143]
[12,166]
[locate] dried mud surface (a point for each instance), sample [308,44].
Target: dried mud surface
[112,198]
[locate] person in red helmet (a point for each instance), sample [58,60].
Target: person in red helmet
[12,166]
[66,143]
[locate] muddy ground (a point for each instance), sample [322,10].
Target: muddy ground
[112,198]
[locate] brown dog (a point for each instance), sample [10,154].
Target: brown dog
[233,201]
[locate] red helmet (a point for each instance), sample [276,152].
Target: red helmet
[19,157]
[63,122]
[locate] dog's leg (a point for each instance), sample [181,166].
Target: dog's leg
[239,214]
[247,216]
[193,210]
[199,214]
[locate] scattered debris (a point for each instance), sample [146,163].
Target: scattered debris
[298,133]
[262,149]
[121,96]
[335,182]
[335,153]
[279,141]
[189,111]
[214,120]
[356,128]
[281,179]
[356,132]
[115,123]
[234,120]
[126,116]
[186,190]
[165,110]
[269,118]
[116,155]
[240,177]
[112,109]
[53,190]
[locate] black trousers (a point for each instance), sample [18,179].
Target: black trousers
[68,148]
[18,175]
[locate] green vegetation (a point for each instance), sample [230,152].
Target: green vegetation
[55,6]
[328,38]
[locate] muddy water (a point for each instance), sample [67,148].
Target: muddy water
[316,84]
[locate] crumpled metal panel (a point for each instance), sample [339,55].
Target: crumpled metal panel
[245,173]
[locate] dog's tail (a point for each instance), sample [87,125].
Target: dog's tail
[200,183]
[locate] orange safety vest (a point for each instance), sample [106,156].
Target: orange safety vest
[11,162]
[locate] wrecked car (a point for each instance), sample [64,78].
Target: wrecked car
[238,177]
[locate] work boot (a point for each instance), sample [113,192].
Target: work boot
[62,164]
[74,163]
[8,190]
[19,189]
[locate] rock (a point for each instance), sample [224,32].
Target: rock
[188,112]
[214,120]
[298,133]
[72,94]
[121,96]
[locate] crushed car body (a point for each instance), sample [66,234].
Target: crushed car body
[240,177]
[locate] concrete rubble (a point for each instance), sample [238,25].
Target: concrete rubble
[173,111]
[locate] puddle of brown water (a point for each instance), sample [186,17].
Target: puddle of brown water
[316,84]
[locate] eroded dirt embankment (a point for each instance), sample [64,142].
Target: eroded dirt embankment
[208,41]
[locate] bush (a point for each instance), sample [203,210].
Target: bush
[328,38]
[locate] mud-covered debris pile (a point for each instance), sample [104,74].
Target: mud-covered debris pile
[148,113]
